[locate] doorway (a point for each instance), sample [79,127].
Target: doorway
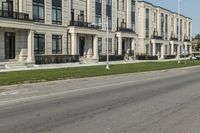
[81,46]
[9,45]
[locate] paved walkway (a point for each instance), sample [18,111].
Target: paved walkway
[70,65]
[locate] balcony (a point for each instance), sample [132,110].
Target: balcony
[186,39]
[83,24]
[156,36]
[125,30]
[14,15]
[174,39]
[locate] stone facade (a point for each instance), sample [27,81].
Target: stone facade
[82,28]
[160,31]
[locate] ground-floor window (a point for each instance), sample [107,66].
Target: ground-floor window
[56,44]
[39,43]
[99,45]
[147,49]
[110,45]
[166,49]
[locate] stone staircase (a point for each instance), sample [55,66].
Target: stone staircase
[16,65]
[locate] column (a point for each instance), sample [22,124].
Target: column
[74,44]
[119,45]
[154,49]
[190,52]
[95,47]
[133,45]
[172,49]
[30,46]
[162,51]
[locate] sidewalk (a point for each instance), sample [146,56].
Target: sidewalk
[70,65]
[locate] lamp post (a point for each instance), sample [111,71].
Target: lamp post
[107,52]
[178,3]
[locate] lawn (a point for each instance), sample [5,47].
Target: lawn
[33,76]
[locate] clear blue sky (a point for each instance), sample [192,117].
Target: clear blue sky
[189,8]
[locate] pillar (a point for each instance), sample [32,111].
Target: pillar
[119,45]
[154,49]
[30,46]
[172,49]
[162,51]
[133,45]
[74,44]
[95,47]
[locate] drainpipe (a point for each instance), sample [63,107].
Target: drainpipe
[86,9]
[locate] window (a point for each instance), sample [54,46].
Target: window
[166,27]
[56,44]
[147,23]
[189,30]
[109,12]
[81,16]
[123,5]
[110,45]
[98,17]
[57,11]
[181,32]
[162,25]
[133,15]
[72,14]
[39,43]
[99,45]
[38,10]
[123,24]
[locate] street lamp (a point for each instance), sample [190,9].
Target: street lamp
[107,63]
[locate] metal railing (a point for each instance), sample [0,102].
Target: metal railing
[157,37]
[14,15]
[84,24]
[125,29]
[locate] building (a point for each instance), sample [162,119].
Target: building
[160,31]
[59,31]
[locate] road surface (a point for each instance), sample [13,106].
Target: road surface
[155,102]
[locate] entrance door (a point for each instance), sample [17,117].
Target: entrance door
[81,46]
[9,45]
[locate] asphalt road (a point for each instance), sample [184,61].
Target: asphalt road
[156,102]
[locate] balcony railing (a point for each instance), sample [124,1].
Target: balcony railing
[157,37]
[14,15]
[174,39]
[84,24]
[125,29]
[186,39]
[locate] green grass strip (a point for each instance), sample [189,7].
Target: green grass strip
[33,76]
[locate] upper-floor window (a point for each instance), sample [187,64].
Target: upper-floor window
[147,23]
[133,14]
[166,27]
[177,26]
[123,5]
[72,14]
[98,17]
[189,29]
[81,16]
[38,10]
[162,25]
[181,28]
[57,11]
[109,13]
[7,5]
[123,24]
